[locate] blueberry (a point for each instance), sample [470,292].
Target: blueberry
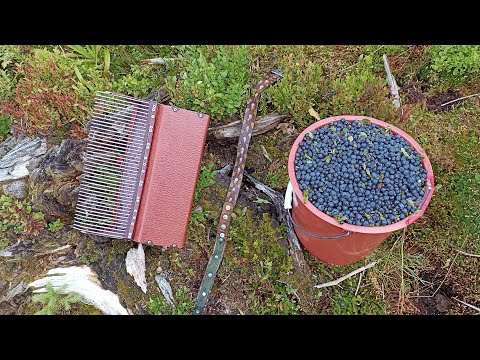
[347,188]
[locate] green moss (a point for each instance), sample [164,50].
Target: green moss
[184,303]
[90,253]
[256,257]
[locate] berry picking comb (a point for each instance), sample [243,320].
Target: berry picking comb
[140,170]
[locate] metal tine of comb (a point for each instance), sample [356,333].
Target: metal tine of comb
[100,126]
[102,114]
[124,107]
[114,164]
[97,231]
[107,204]
[105,214]
[98,219]
[113,170]
[102,181]
[120,110]
[86,215]
[119,99]
[119,103]
[95,220]
[108,194]
[107,180]
[117,128]
[111,151]
[104,164]
[106,135]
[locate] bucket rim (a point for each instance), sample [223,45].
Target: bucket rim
[357,228]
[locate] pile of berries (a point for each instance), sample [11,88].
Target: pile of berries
[360,173]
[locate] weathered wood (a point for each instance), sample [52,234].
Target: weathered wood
[13,165]
[135,263]
[392,83]
[158,61]
[17,290]
[278,201]
[82,281]
[343,278]
[232,130]
[165,288]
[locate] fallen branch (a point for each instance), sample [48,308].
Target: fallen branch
[464,97]
[232,130]
[468,254]
[158,61]
[392,83]
[359,281]
[82,281]
[467,304]
[57,250]
[349,275]
[278,201]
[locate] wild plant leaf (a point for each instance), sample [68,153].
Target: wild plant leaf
[361,135]
[310,135]
[405,153]
[82,51]
[305,196]
[328,159]
[77,72]
[106,62]
[261,201]
[314,113]
[410,202]
[350,138]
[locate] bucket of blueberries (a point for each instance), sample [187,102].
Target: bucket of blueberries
[355,180]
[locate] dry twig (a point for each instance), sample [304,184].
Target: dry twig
[349,275]
[464,97]
[467,304]
[359,281]
[468,254]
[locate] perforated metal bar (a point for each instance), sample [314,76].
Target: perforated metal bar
[115,164]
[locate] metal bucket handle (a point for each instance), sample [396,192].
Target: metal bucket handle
[288,206]
[313,235]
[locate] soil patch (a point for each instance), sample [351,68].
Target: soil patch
[434,103]
[413,93]
[441,303]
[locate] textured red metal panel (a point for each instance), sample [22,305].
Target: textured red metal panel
[172,172]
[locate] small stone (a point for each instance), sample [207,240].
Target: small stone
[443,304]
[16,188]
[198,208]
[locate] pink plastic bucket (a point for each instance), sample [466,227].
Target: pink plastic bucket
[342,244]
